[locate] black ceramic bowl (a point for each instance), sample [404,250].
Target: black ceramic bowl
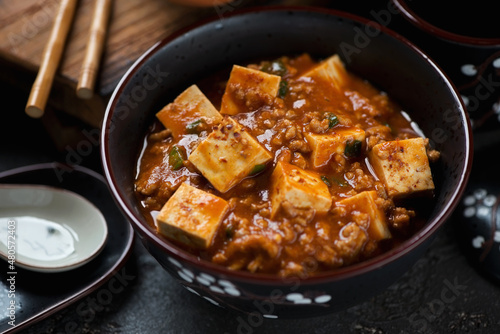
[474,24]
[369,50]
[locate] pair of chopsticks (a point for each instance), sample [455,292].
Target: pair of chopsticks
[54,48]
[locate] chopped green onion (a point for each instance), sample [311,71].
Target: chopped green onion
[175,158]
[332,120]
[195,127]
[325,179]
[229,232]
[257,169]
[353,148]
[283,89]
[276,67]
[389,126]
[328,181]
[339,182]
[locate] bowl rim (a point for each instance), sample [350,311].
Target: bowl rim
[328,276]
[424,25]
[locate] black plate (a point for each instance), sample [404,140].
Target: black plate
[38,295]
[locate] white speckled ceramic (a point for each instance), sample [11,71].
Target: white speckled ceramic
[48,229]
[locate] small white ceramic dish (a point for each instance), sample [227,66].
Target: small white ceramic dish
[48,229]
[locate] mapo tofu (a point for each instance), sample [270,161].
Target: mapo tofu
[290,166]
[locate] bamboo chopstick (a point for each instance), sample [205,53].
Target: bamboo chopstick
[95,45]
[50,59]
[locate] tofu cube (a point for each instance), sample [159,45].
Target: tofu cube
[367,214]
[228,155]
[302,189]
[191,216]
[248,89]
[403,166]
[189,110]
[331,70]
[324,146]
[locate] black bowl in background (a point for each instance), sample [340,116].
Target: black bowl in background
[384,58]
[473,24]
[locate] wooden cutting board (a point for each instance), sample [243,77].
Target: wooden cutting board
[134,26]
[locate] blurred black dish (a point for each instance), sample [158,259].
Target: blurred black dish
[39,295]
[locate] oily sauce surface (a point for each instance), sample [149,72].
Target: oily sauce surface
[295,241]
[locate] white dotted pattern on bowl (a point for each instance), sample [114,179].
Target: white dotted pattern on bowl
[225,287]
